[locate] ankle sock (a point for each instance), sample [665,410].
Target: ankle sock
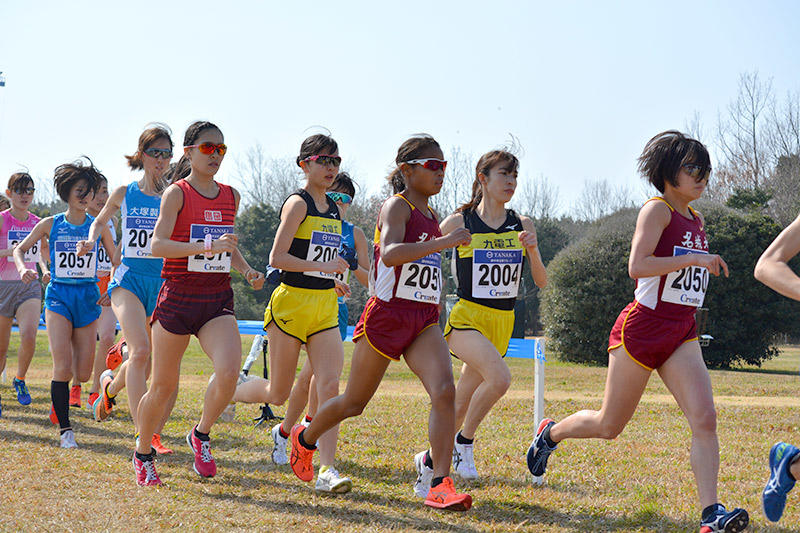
[201,436]
[308,419]
[303,442]
[144,457]
[461,439]
[283,433]
[435,481]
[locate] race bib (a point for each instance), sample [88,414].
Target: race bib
[17,236]
[217,263]
[344,278]
[322,247]
[686,286]
[420,280]
[69,265]
[139,236]
[103,259]
[496,273]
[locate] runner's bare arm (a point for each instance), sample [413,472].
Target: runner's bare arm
[772,268]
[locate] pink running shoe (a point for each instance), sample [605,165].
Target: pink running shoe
[203,461]
[146,475]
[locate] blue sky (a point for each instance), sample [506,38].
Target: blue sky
[582,85]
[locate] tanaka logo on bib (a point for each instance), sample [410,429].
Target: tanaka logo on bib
[213,216]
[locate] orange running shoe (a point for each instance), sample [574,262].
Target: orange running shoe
[114,355]
[92,397]
[53,417]
[301,457]
[75,396]
[444,496]
[104,404]
[157,446]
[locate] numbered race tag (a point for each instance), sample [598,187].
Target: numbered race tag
[103,259]
[344,278]
[686,286]
[217,263]
[322,247]
[495,273]
[420,280]
[17,236]
[69,265]
[138,237]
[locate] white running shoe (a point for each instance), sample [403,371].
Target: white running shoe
[279,456]
[68,439]
[305,422]
[329,480]
[463,461]
[424,476]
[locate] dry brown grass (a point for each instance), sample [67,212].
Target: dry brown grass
[640,482]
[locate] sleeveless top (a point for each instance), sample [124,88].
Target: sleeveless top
[676,295]
[317,239]
[139,214]
[489,269]
[13,232]
[417,283]
[348,239]
[198,217]
[65,265]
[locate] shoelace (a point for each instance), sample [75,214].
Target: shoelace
[774,482]
[23,387]
[150,470]
[205,451]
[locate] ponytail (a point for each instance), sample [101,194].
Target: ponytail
[146,140]
[485,164]
[397,181]
[412,148]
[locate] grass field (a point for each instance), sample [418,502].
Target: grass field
[640,482]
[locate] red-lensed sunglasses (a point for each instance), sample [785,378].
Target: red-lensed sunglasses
[209,148]
[429,163]
[325,160]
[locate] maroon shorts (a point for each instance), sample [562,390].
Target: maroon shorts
[649,339]
[390,328]
[182,309]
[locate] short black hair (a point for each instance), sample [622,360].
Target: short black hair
[68,174]
[343,182]
[665,154]
[318,144]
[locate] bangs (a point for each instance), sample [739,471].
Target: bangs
[20,180]
[696,154]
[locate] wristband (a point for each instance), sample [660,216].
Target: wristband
[207,245]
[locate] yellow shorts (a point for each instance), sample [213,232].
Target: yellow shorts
[494,324]
[302,312]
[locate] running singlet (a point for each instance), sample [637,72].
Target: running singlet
[65,265]
[104,265]
[419,281]
[317,239]
[139,214]
[201,216]
[488,269]
[348,240]
[14,231]
[678,294]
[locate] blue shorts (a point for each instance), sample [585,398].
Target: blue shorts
[77,303]
[145,288]
[344,314]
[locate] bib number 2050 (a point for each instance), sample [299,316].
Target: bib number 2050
[421,280]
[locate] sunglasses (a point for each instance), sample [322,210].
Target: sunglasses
[430,163]
[699,173]
[24,190]
[337,196]
[209,148]
[325,160]
[159,153]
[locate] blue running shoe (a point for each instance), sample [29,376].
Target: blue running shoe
[23,395]
[720,520]
[780,480]
[539,451]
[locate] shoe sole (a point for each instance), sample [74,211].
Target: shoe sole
[739,523]
[340,488]
[457,506]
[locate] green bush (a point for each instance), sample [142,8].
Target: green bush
[589,286]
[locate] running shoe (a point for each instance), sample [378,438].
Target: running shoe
[329,480]
[68,439]
[75,396]
[53,418]
[463,461]
[780,480]
[204,463]
[104,404]
[306,421]
[23,395]
[723,521]
[92,397]
[114,355]
[424,475]
[301,457]
[539,451]
[444,496]
[158,446]
[279,456]
[146,475]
